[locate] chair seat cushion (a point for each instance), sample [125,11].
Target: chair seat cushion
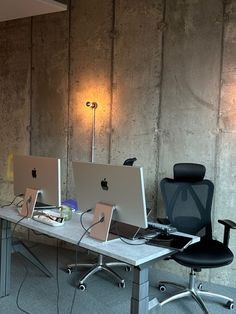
[205,254]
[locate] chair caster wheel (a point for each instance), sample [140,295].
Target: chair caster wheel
[127,268]
[230,305]
[200,287]
[69,270]
[82,287]
[162,288]
[121,284]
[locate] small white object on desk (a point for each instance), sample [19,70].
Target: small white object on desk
[48,221]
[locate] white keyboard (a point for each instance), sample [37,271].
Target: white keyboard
[49,220]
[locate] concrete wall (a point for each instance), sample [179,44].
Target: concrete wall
[163,74]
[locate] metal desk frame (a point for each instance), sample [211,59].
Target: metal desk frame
[140,303]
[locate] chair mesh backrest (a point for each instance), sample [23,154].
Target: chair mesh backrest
[188,199]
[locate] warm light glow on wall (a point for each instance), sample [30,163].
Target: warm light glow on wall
[94,90]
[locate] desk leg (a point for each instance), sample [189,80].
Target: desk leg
[140,303]
[5,257]
[140,298]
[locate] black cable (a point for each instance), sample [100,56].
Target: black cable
[26,269]
[81,217]
[19,290]
[123,240]
[26,216]
[76,255]
[130,243]
[9,204]
[57,273]
[22,261]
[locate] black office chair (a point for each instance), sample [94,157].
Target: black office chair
[101,264]
[188,200]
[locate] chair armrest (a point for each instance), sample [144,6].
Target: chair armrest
[226,222]
[229,224]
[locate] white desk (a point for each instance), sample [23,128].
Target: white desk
[138,256]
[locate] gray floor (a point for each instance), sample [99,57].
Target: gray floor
[38,294]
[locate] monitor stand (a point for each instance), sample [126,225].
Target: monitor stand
[30,199]
[26,211]
[101,230]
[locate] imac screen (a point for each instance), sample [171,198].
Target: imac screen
[39,173]
[120,186]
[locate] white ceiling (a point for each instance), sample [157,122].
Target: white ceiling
[15,9]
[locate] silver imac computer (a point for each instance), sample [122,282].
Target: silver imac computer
[121,188]
[39,177]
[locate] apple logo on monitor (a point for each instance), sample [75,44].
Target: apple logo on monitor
[104,184]
[34,173]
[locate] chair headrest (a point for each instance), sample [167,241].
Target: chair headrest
[189,172]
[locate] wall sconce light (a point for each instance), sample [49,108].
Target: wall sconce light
[93,105]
